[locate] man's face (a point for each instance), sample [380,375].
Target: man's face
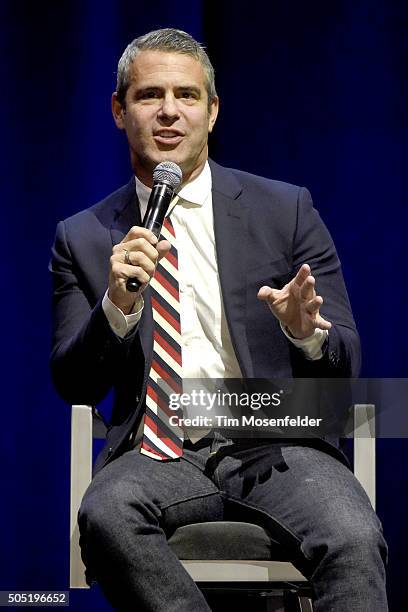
[166,115]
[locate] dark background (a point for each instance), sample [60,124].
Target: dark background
[314,93]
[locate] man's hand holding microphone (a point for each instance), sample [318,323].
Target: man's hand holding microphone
[133,261]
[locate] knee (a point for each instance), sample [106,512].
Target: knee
[99,507]
[108,505]
[359,539]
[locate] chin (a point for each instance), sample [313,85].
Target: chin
[170,155]
[150,161]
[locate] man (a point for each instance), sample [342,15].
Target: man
[250,253]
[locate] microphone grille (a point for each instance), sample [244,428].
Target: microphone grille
[168,172]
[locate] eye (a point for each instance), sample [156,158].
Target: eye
[188,94]
[148,94]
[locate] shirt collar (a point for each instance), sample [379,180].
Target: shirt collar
[196,192]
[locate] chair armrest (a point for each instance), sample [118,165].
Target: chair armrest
[81,474]
[364,448]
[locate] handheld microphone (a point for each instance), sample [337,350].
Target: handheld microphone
[167,177]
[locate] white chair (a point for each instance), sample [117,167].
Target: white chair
[266,570]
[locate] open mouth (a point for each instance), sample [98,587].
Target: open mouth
[170,137]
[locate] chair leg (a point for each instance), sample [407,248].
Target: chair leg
[294,603]
[305,604]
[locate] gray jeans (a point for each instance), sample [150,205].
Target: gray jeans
[303,496]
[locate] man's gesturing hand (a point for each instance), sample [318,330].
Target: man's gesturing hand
[135,257]
[296,305]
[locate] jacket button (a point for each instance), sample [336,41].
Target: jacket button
[334,359]
[137,398]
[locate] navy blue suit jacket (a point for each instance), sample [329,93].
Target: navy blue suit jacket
[264,231]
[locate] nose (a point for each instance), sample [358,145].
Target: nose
[169,109]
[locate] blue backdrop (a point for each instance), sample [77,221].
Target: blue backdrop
[311,93]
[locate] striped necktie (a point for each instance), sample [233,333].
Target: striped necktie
[161,439]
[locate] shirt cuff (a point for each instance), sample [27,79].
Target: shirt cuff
[313,346]
[120,323]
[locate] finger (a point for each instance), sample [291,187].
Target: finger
[321,323]
[140,274]
[134,246]
[313,305]
[312,308]
[122,272]
[163,247]
[267,294]
[139,232]
[307,290]
[139,259]
[302,274]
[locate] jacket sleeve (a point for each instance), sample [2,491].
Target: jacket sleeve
[87,357]
[313,245]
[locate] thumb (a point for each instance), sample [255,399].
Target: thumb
[265,294]
[163,247]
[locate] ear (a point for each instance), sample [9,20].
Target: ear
[213,113]
[118,111]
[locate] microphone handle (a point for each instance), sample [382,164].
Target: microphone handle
[159,202]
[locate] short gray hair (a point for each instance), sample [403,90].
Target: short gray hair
[169,40]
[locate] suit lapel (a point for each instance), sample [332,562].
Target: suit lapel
[126,213]
[231,238]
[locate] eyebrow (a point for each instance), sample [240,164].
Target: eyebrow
[192,88]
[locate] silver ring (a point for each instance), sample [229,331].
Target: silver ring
[127,258]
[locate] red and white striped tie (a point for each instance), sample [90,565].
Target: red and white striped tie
[162,440]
